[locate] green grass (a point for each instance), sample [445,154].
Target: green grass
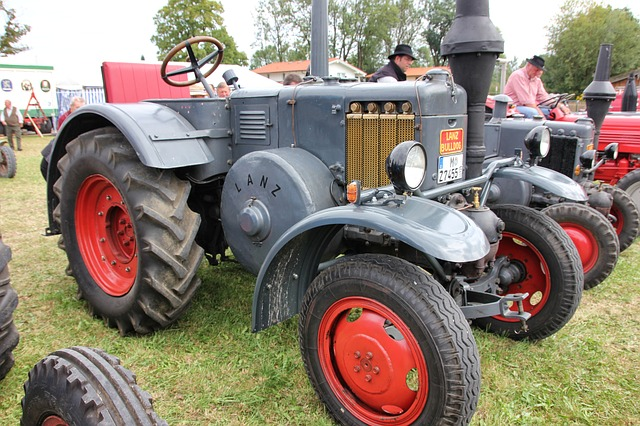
[210,369]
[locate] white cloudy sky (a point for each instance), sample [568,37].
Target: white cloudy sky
[76,37]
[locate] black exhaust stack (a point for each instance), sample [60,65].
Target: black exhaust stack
[472,46]
[600,93]
[319,35]
[630,95]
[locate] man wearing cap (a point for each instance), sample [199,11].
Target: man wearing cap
[399,62]
[526,90]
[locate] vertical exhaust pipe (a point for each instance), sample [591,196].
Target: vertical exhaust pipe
[472,46]
[600,92]
[630,95]
[319,37]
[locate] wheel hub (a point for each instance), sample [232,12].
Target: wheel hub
[106,236]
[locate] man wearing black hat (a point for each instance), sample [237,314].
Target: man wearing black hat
[526,90]
[399,62]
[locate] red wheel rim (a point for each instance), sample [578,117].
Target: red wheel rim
[619,223]
[585,242]
[54,421]
[536,282]
[106,237]
[377,377]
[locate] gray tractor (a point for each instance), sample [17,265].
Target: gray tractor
[359,206]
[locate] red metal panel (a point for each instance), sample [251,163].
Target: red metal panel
[133,82]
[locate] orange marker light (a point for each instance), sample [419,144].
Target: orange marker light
[353,192]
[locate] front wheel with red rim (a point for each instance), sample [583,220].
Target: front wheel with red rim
[384,344]
[128,232]
[594,238]
[84,386]
[552,273]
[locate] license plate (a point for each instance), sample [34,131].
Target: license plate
[450,168]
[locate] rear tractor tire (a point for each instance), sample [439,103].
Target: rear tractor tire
[128,233]
[630,183]
[384,344]
[552,273]
[9,336]
[594,238]
[8,163]
[85,386]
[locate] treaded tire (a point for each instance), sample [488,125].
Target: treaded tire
[85,386]
[8,163]
[627,216]
[630,183]
[358,371]
[9,336]
[128,233]
[594,237]
[554,278]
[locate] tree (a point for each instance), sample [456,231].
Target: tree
[575,39]
[13,32]
[440,16]
[183,19]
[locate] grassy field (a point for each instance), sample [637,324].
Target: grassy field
[209,369]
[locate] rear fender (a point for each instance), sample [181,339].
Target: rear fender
[545,179]
[161,137]
[292,263]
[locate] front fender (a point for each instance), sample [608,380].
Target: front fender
[546,179]
[292,263]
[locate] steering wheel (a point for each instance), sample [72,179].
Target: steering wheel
[555,99]
[196,65]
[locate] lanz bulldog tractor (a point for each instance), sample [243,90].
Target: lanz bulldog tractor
[359,206]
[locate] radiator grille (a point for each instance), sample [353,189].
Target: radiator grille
[370,139]
[562,154]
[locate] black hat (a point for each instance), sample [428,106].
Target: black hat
[537,62]
[402,49]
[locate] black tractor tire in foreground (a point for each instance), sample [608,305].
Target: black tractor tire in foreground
[8,163]
[9,336]
[384,344]
[85,386]
[594,237]
[627,217]
[128,233]
[630,183]
[552,271]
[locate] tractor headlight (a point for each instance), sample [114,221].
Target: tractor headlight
[538,141]
[588,159]
[406,166]
[611,151]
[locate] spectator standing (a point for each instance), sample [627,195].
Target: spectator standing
[222,90]
[12,121]
[399,62]
[291,79]
[76,103]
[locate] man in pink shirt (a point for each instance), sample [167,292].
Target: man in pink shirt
[525,88]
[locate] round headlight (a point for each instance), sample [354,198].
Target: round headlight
[588,159]
[538,141]
[611,151]
[406,166]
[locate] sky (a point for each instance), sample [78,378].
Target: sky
[76,37]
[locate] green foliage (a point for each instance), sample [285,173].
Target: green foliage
[180,20]
[575,39]
[440,17]
[13,32]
